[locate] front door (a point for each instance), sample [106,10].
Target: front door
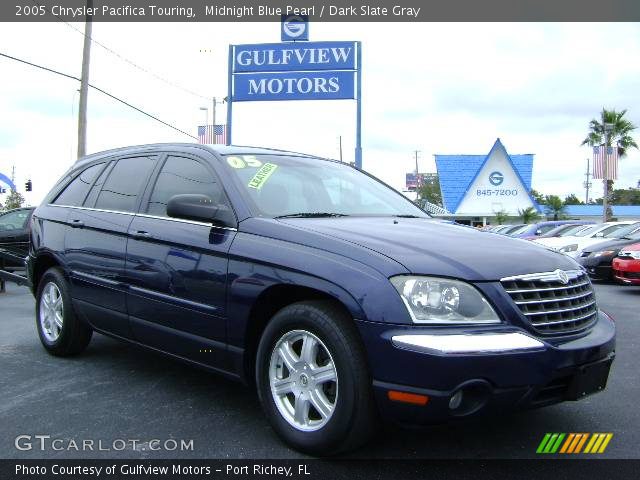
[177,269]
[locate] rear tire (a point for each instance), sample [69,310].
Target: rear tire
[61,332]
[313,380]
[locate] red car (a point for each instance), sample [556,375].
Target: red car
[626,266]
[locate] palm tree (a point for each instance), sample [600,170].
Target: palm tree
[501,216]
[620,135]
[528,214]
[554,205]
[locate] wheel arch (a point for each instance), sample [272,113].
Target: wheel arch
[274,299]
[43,262]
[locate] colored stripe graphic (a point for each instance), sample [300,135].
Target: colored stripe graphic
[550,443]
[598,443]
[573,443]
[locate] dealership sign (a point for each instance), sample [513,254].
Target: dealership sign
[314,71]
[295,70]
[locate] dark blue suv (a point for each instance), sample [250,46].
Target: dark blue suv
[339,299]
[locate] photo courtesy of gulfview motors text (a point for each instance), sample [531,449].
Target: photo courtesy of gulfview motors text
[248,239]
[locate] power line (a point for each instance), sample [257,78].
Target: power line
[99,90]
[130,62]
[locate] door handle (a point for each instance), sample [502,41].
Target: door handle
[141,234]
[77,223]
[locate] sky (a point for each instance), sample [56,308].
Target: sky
[439,88]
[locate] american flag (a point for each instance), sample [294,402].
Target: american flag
[215,134]
[599,162]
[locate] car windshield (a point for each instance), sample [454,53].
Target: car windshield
[15,220]
[280,186]
[519,230]
[575,230]
[589,231]
[623,231]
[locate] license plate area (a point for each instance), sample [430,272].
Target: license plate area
[589,379]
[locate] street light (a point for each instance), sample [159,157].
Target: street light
[608,128]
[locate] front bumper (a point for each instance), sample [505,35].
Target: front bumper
[627,271]
[514,370]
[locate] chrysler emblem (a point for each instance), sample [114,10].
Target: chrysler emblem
[562,276]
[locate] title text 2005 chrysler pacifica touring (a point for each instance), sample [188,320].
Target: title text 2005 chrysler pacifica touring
[331,292]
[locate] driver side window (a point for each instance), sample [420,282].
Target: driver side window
[181,175]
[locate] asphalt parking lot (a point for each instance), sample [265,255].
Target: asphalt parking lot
[115,391]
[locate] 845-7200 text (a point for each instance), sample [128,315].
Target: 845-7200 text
[497,192]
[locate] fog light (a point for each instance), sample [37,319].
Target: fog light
[456,400]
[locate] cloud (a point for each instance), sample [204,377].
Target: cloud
[436,88]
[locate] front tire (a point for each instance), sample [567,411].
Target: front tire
[313,380]
[61,332]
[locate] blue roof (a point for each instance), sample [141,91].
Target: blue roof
[457,172]
[596,210]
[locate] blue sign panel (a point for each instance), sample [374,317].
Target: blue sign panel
[287,57]
[334,85]
[294,27]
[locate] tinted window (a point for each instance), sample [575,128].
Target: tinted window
[121,189]
[14,220]
[182,175]
[75,192]
[97,187]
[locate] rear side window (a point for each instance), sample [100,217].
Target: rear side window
[76,191]
[120,191]
[180,175]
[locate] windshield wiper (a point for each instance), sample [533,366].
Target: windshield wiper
[312,215]
[405,216]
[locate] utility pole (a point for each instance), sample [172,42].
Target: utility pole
[607,127]
[587,183]
[84,84]
[213,115]
[13,174]
[340,146]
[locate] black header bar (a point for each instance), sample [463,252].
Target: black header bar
[331,11]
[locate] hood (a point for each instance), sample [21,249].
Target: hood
[426,246]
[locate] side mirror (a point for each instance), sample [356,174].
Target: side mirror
[200,208]
[539,231]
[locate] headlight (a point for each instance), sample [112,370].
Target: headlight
[444,301]
[604,253]
[569,248]
[635,254]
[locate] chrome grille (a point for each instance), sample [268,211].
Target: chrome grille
[554,302]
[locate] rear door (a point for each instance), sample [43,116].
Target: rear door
[177,269]
[96,239]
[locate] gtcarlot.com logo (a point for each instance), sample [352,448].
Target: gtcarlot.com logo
[574,443]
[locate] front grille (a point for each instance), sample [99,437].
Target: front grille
[554,302]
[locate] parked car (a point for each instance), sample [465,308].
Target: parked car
[626,266]
[332,293]
[572,246]
[534,230]
[509,229]
[597,259]
[14,237]
[566,230]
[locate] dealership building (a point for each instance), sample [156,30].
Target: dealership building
[475,187]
